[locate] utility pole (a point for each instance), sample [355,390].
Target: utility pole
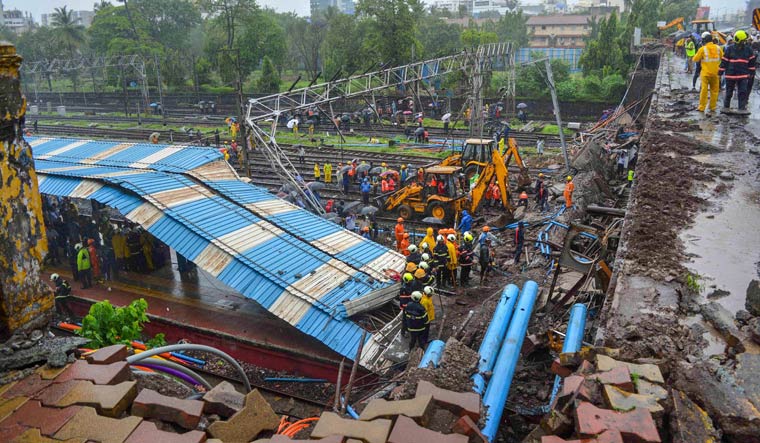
[160,90]
[555,104]
[240,116]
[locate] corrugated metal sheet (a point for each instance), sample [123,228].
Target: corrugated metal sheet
[294,263]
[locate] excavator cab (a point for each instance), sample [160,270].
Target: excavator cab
[440,195]
[700,26]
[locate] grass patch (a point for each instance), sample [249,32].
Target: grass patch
[554,130]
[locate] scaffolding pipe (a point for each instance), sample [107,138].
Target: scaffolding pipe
[498,387]
[494,336]
[432,354]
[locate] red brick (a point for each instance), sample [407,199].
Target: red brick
[151,404]
[56,391]
[99,374]
[34,436]
[635,426]
[619,377]
[88,425]
[585,368]
[9,431]
[256,416]
[108,355]
[8,407]
[605,437]
[407,431]
[562,371]
[466,426]
[28,387]
[148,432]
[33,415]
[110,401]
[459,403]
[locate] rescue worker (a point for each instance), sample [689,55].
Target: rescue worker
[466,255]
[384,186]
[317,172]
[568,192]
[485,257]
[541,193]
[690,48]
[146,244]
[413,255]
[453,262]
[83,266]
[420,279]
[94,260]
[441,257]
[366,187]
[483,235]
[465,224]
[328,172]
[709,57]
[427,303]
[519,241]
[404,296]
[429,239]
[383,167]
[399,232]
[404,247]
[738,65]
[417,321]
[410,267]
[497,196]
[523,200]
[391,184]
[404,173]
[62,287]
[365,232]
[429,279]
[119,244]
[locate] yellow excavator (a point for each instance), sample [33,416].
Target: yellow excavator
[678,22]
[459,192]
[700,26]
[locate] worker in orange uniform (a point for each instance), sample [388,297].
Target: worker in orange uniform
[391,184]
[569,189]
[384,186]
[94,261]
[404,247]
[523,200]
[399,231]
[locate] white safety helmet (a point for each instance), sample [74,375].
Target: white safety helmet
[428,290]
[424,245]
[412,248]
[54,276]
[439,238]
[706,34]
[425,257]
[423,265]
[452,237]
[416,295]
[78,246]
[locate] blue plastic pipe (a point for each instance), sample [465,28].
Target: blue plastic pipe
[494,336]
[432,354]
[498,387]
[575,327]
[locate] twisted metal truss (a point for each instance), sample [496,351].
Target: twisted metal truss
[269,108]
[83,63]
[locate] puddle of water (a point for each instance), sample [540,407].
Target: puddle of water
[724,249]
[715,343]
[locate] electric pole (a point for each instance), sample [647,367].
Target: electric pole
[555,103]
[240,115]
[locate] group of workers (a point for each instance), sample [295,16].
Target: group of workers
[736,62]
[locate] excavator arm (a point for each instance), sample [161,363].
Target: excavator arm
[496,168]
[523,179]
[675,22]
[394,200]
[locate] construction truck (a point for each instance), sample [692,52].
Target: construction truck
[422,197]
[477,154]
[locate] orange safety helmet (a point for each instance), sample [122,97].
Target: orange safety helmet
[406,235]
[486,229]
[419,273]
[400,220]
[411,267]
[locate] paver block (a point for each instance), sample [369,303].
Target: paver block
[151,404]
[648,371]
[48,373]
[33,415]
[645,387]
[9,431]
[8,406]
[34,436]
[608,436]
[562,371]
[108,355]
[286,439]
[579,388]
[625,401]
[407,431]
[148,432]
[375,431]
[619,377]
[585,368]
[417,408]
[635,426]
[466,426]
[257,415]
[458,403]
[689,423]
[28,387]
[223,400]
[110,401]
[110,374]
[56,391]
[87,424]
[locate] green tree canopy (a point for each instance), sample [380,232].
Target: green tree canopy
[391,34]
[269,82]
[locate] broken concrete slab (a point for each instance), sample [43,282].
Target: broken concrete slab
[621,400]
[407,431]
[151,404]
[752,301]
[417,409]
[458,403]
[636,425]
[754,329]
[40,352]
[645,387]
[690,423]
[108,355]
[375,431]
[88,425]
[619,377]
[148,432]
[256,416]
[723,322]
[223,400]
[648,371]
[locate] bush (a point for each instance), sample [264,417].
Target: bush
[107,325]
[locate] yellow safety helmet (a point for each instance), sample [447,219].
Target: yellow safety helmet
[569,177]
[740,36]
[467,236]
[383,164]
[540,175]
[408,277]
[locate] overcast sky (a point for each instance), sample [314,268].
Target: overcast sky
[301,7]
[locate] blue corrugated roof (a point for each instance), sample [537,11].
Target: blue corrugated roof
[290,262]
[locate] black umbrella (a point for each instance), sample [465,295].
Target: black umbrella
[363,167]
[345,169]
[331,216]
[369,210]
[351,205]
[315,186]
[432,221]
[376,170]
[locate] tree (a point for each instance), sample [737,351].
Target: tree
[512,27]
[472,37]
[644,14]
[438,38]
[304,39]
[269,82]
[100,5]
[391,29]
[607,53]
[68,32]
[229,13]
[168,21]
[671,9]
[342,47]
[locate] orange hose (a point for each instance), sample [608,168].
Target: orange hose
[143,368]
[283,422]
[69,326]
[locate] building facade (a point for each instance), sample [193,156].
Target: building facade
[17,21]
[344,6]
[558,31]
